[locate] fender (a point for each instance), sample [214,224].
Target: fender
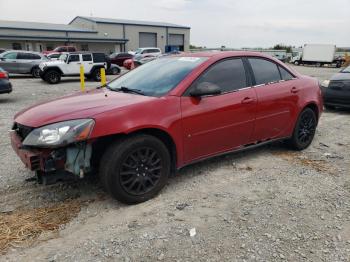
[56,68]
[96,67]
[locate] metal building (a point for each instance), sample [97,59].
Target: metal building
[95,34]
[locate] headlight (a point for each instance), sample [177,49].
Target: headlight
[325,83]
[60,134]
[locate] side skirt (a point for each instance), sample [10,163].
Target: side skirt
[241,149]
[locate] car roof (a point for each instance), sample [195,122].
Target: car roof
[21,51]
[223,54]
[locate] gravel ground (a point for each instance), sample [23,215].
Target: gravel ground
[267,204]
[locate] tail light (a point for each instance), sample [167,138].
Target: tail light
[4,75]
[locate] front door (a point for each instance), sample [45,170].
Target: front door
[73,65]
[277,98]
[8,62]
[223,122]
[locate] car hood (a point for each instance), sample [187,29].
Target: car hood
[52,63]
[77,106]
[340,76]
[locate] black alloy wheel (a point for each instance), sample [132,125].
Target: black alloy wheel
[134,169]
[140,171]
[304,130]
[53,77]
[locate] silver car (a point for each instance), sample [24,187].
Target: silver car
[22,62]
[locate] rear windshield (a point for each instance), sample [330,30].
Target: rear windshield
[158,77]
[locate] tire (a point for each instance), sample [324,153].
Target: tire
[304,130]
[52,77]
[125,168]
[36,72]
[318,64]
[115,71]
[296,63]
[96,75]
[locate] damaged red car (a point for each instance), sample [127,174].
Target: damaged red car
[167,114]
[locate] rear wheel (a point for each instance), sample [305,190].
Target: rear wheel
[36,72]
[52,77]
[115,71]
[96,74]
[304,130]
[135,169]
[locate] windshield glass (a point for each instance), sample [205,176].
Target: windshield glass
[63,57]
[138,51]
[346,70]
[158,77]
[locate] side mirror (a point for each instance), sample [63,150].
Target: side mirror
[205,89]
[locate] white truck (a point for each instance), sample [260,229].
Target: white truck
[317,55]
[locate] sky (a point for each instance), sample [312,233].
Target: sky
[214,23]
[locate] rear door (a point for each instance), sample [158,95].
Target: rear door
[219,123]
[87,63]
[277,98]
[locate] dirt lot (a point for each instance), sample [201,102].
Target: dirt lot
[268,204]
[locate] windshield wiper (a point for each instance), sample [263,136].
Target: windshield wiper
[106,86]
[130,90]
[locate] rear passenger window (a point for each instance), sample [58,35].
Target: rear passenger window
[264,71]
[285,74]
[35,57]
[87,57]
[99,57]
[229,75]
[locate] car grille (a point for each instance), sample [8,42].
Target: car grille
[340,85]
[21,130]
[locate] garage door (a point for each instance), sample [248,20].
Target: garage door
[176,39]
[148,39]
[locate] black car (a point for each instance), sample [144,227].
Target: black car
[336,91]
[5,85]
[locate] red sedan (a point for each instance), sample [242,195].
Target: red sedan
[165,115]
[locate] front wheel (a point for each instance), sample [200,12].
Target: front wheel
[36,72]
[304,130]
[52,77]
[135,169]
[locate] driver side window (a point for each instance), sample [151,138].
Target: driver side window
[229,75]
[74,58]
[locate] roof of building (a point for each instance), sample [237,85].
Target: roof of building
[24,25]
[129,22]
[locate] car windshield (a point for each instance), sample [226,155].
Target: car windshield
[346,70]
[63,57]
[138,51]
[158,77]
[113,55]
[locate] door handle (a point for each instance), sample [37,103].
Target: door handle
[248,100]
[294,90]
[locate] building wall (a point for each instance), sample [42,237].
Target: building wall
[104,31]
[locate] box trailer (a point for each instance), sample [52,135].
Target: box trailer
[317,55]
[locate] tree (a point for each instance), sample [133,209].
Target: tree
[283,47]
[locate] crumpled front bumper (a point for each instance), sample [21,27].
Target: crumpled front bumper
[45,160]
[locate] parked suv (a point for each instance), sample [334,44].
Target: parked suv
[119,58]
[22,62]
[147,52]
[61,49]
[69,64]
[167,114]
